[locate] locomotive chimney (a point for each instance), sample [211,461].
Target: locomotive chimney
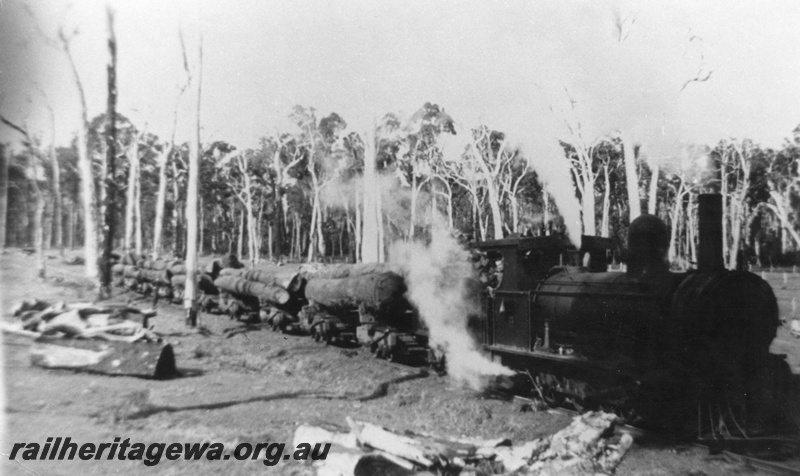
[648,241]
[709,250]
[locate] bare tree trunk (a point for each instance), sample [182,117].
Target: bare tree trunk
[652,206]
[277,224]
[270,237]
[631,178]
[491,188]
[546,207]
[676,216]
[38,241]
[87,178]
[321,219]
[725,210]
[413,220]
[57,200]
[780,209]
[109,224]
[240,238]
[312,228]
[358,225]
[190,290]
[47,225]
[371,238]
[4,160]
[137,212]
[71,224]
[606,202]
[133,171]
[176,222]
[161,199]
[202,227]
[738,204]
[692,227]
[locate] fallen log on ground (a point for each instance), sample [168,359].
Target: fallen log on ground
[378,291]
[141,359]
[235,285]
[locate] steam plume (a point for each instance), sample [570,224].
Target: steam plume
[438,277]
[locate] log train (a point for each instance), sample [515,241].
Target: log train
[688,346]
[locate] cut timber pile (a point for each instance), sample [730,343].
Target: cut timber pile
[110,339]
[376,290]
[589,445]
[236,285]
[167,278]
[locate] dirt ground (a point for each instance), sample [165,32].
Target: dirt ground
[254,385]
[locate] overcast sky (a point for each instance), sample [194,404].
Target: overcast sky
[519,66]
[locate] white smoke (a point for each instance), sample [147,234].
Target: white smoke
[438,276]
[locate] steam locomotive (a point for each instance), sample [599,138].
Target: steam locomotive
[648,341]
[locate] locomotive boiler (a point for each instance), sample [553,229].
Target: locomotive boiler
[647,340]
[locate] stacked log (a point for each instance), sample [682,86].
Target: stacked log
[287,277]
[204,283]
[159,277]
[214,267]
[240,286]
[346,270]
[118,274]
[376,290]
[130,258]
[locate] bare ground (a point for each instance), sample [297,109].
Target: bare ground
[254,385]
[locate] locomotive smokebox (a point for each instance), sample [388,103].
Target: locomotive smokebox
[648,241]
[709,216]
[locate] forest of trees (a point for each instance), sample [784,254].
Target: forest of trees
[326,191]
[299,196]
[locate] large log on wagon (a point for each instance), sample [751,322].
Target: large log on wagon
[204,283]
[377,291]
[236,285]
[158,264]
[130,258]
[141,359]
[214,267]
[130,271]
[118,270]
[155,276]
[210,267]
[287,277]
[349,270]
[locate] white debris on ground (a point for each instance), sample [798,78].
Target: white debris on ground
[35,318]
[795,328]
[589,445]
[111,339]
